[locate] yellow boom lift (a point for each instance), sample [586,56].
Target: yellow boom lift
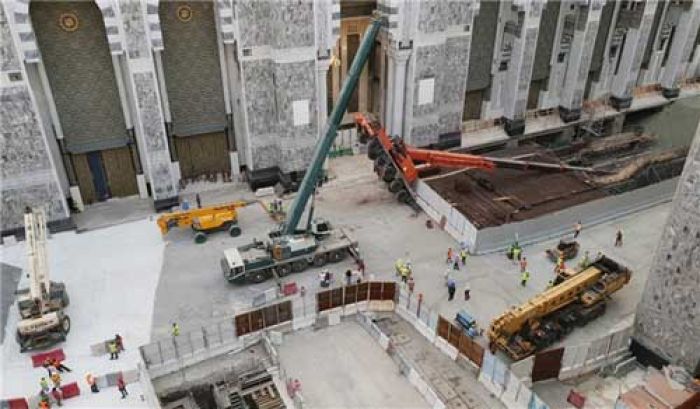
[205,220]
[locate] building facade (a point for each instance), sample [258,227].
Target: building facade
[113,98]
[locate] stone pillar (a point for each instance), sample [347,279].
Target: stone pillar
[398,59]
[630,62]
[149,122]
[682,45]
[322,65]
[581,53]
[518,53]
[668,315]
[27,172]
[389,104]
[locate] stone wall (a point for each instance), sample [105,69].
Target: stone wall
[27,175]
[668,315]
[278,68]
[441,52]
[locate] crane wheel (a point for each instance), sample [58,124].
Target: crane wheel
[374,149]
[299,266]
[395,185]
[259,276]
[200,237]
[336,256]
[234,230]
[389,173]
[320,260]
[379,164]
[65,325]
[403,196]
[284,270]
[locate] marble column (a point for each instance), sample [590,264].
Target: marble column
[398,59]
[389,104]
[149,123]
[322,65]
[28,174]
[683,42]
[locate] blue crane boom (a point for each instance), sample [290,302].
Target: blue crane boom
[314,171]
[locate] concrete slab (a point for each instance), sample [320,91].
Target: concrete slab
[343,367]
[455,383]
[111,276]
[112,212]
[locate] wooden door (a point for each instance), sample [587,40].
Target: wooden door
[203,154]
[119,168]
[84,176]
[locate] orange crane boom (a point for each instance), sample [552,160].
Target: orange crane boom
[406,156]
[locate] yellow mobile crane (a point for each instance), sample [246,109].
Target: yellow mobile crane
[553,314]
[204,220]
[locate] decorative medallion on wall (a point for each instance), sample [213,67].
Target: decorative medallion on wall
[68,22]
[184,13]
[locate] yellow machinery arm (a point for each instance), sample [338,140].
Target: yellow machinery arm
[556,308]
[205,218]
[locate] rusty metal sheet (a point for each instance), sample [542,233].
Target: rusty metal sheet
[547,364]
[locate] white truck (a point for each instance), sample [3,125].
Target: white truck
[257,262]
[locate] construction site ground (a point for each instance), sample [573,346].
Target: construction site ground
[455,382]
[127,279]
[342,366]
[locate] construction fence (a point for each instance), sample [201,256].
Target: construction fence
[456,337]
[242,330]
[352,294]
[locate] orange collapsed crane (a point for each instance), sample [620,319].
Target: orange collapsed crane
[405,156]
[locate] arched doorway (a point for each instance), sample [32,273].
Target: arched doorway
[192,73]
[97,149]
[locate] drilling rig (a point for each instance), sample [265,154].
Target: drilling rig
[41,306]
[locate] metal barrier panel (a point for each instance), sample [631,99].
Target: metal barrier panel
[547,364]
[337,297]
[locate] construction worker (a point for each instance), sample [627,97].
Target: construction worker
[463,254]
[411,284]
[618,238]
[48,365]
[113,350]
[449,255]
[56,379]
[451,288]
[120,342]
[175,331]
[198,200]
[58,365]
[517,253]
[585,261]
[561,267]
[44,384]
[467,291]
[524,278]
[398,265]
[44,403]
[577,229]
[348,277]
[92,382]
[57,395]
[121,385]
[523,264]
